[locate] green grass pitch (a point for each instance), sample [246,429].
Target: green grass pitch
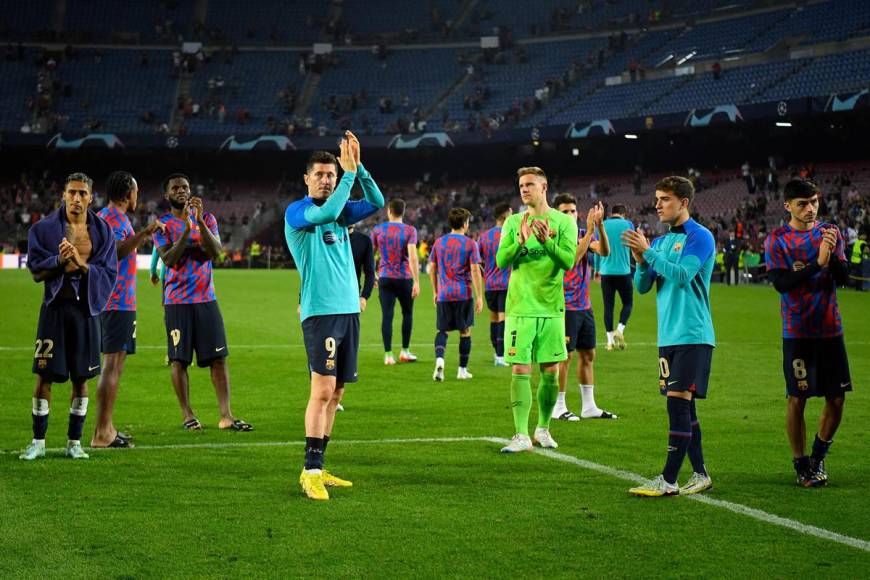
[432,496]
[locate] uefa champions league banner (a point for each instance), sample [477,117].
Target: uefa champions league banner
[723,114]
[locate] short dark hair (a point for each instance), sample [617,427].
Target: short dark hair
[324,157]
[564,198]
[119,184]
[79,176]
[799,188]
[501,209]
[174,176]
[396,207]
[457,217]
[618,209]
[679,186]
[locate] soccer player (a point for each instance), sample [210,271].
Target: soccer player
[364,264]
[579,320]
[539,246]
[679,264]
[187,246]
[454,267]
[118,320]
[72,252]
[615,270]
[398,277]
[316,233]
[806,261]
[496,281]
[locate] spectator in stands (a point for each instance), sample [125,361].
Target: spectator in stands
[717,70]
[748,177]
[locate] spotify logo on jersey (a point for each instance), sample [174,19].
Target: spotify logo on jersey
[329,238]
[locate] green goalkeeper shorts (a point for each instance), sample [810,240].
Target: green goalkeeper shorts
[534,340]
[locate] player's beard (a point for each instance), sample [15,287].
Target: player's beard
[176,204]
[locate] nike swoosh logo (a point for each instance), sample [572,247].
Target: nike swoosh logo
[219,349]
[672,383]
[93,368]
[844,385]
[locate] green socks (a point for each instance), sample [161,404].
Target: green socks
[521,401]
[548,393]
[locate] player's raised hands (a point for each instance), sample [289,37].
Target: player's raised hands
[69,254]
[599,214]
[541,229]
[829,242]
[594,216]
[525,229]
[346,159]
[636,241]
[196,206]
[354,146]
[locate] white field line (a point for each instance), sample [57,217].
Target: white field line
[629,476]
[737,508]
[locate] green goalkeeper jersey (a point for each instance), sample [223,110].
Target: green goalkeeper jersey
[537,270]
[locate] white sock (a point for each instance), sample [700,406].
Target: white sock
[609,337]
[79,406]
[463,370]
[620,328]
[72,441]
[560,402]
[39,442]
[313,471]
[439,362]
[40,406]
[587,397]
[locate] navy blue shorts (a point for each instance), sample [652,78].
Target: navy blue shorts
[195,327]
[332,344]
[119,331]
[456,315]
[67,342]
[495,300]
[816,367]
[579,330]
[685,368]
[392,289]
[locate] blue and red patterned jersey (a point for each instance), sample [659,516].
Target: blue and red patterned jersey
[454,254]
[124,294]
[189,281]
[391,241]
[810,310]
[577,283]
[495,277]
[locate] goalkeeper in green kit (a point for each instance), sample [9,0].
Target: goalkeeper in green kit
[539,245]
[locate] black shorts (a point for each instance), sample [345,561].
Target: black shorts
[195,327]
[332,344]
[67,342]
[456,315]
[685,367]
[392,289]
[816,367]
[119,331]
[495,300]
[579,330]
